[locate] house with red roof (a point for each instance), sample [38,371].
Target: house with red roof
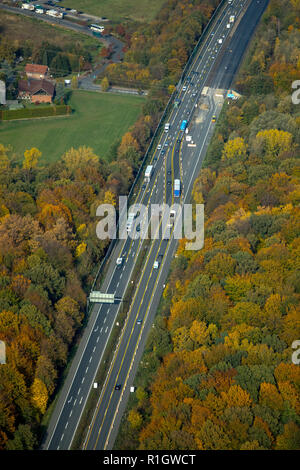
[37,91]
[36,71]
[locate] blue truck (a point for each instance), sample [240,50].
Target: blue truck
[176,188]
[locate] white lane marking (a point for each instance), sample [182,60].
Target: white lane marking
[101,329]
[62,437]
[71,412]
[98,339]
[82,380]
[106,329]
[78,391]
[66,425]
[80,400]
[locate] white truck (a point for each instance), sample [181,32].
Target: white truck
[55,13]
[148,173]
[130,220]
[167,127]
[27,6]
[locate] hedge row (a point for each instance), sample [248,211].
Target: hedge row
[26,113]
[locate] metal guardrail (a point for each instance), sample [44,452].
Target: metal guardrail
[158,129]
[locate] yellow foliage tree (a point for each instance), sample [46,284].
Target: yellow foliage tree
[135,419]
[199,332]
[110,198]
[80,249]
[275,141]
[39,395]
[269,396]
[236,397]
[235,148]
[104,84]
[31,158]
[79,158]
[4,161]
[127,141]
[171,89]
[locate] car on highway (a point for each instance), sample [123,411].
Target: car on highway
[156,264]
[143,187]
[214,118]
[119,262]
[159,147]
[118,387]
[169,183]
[184,88]
[228,25]
[163,152]
[169,172]
[139,322]
[166,144]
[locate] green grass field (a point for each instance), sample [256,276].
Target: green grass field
[118,10]
[98,120]
[23,28]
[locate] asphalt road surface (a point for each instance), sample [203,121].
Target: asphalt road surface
[214,67]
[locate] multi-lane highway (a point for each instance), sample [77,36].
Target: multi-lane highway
[200,98]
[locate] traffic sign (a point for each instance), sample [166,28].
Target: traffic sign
[99,297]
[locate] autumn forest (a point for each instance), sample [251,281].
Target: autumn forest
[219,373]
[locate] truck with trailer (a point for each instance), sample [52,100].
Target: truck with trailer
[27,6]
[148,173]
[130,221]
[55,13]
